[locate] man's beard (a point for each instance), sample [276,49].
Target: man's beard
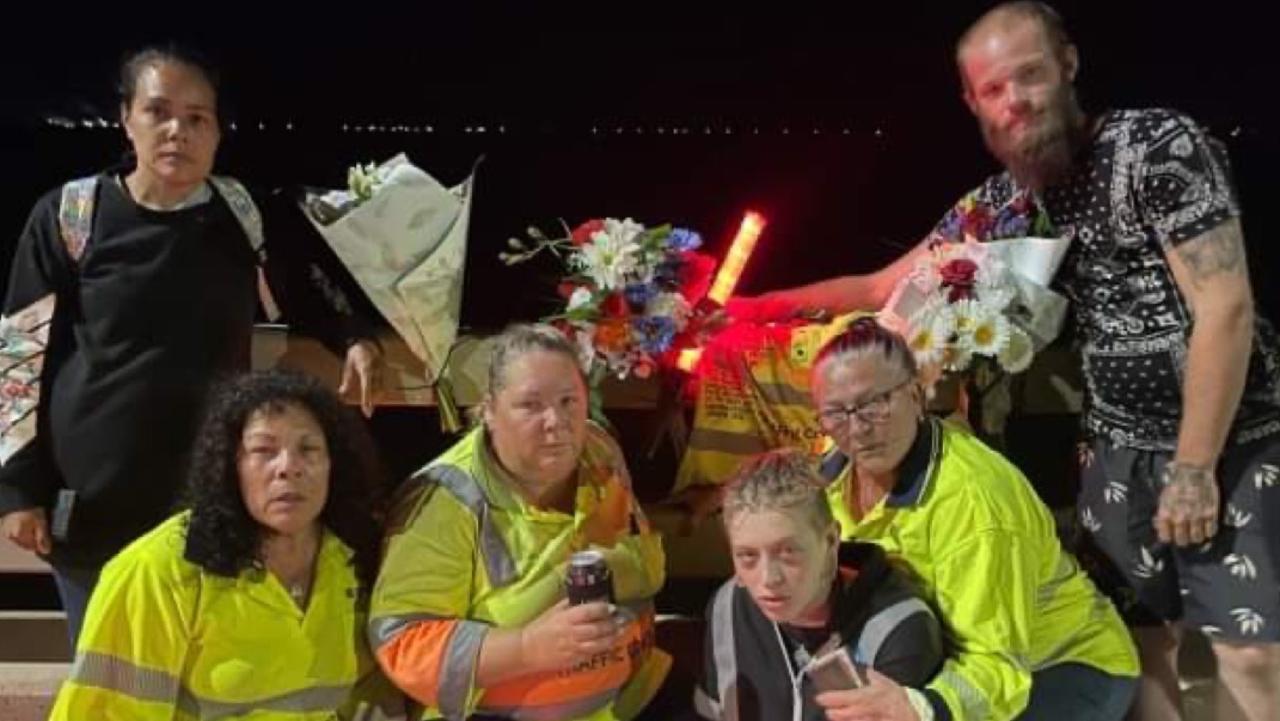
[1043,155]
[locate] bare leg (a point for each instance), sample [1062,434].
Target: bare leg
[1159,698]
[1248,682]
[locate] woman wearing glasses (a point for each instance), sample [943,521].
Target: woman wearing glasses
[1031,638]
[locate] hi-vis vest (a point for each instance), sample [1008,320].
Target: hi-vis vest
[465,553]
[165,640]
[984,550]
[753,397]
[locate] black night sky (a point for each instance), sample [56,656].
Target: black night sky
[843,124]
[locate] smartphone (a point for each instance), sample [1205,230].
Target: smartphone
[835,671]
[60,524]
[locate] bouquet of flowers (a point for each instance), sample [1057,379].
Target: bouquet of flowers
[956,304]
[982,290]
[629,291]
[403,236]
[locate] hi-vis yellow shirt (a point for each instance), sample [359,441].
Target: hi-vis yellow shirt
[984,550]
[165,639]
[466,553]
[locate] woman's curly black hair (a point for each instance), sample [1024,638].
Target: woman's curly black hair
[222,537]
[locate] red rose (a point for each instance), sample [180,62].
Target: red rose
[582,234]
[959,271]
[615,306]
[566,288]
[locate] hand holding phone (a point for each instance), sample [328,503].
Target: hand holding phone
[835,671]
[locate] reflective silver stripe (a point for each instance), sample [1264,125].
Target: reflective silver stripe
[549,712]
[1097,611]
[498,562]
[974,702]
[706,707]
[115,674]
[726,441]
[880,626]
[315,699]
[458,668]
[784,394]
[384,629]
[1063,573]
[723,653]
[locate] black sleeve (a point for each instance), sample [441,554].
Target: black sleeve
[317,295]
[1185,186]
[30,355]
[912,652]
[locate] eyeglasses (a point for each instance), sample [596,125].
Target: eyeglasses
[872,411]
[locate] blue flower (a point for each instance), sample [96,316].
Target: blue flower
[1011,225]
[684,239]
[653,334]
[638,295]
[949,228]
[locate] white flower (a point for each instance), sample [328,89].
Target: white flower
[611,255]
[997,296]
[966,313]
[581,296]
[927,335]
[988,333]
[1017,352]
[673,306]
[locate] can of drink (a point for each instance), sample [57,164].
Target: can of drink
[588,578]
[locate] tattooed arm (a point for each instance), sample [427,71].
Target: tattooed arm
[1211,273]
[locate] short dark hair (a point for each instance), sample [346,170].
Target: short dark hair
[134,63]
[222,537]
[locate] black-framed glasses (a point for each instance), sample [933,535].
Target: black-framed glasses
[872,411]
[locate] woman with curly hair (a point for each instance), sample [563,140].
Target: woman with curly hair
[252,600]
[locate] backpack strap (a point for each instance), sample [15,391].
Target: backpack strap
[75,214]
[250,219]
[245,210]
[75,223]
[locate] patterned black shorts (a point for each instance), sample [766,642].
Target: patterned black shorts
[1228,587]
